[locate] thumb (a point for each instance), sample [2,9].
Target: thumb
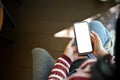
[70,43]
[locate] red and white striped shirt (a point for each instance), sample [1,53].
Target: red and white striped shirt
[61,70]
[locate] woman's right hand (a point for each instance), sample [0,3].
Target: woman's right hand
[72,51]
[98,49]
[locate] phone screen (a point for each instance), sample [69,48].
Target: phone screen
[83,39]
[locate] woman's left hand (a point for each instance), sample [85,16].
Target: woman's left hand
[98,49]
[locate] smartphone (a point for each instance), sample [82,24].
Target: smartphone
[82,37]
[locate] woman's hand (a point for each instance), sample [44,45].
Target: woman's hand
[72,51]
[98,49]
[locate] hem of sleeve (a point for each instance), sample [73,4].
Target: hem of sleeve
[67,59]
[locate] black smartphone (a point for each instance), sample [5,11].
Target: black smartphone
[83,39]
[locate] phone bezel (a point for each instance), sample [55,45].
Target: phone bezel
[87,52]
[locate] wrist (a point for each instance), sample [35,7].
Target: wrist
[104,52]
[68,59]
[101,52]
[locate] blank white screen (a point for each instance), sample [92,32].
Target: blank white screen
[83,37]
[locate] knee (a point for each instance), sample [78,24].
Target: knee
[39,51]
[96,26]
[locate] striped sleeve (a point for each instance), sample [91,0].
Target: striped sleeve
[61,68]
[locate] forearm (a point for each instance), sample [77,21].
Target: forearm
[61,68]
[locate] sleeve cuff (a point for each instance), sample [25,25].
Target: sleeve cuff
[67,59]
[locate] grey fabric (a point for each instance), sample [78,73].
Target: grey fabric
[42,64]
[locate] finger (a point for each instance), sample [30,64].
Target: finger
[81,57]
[70,43]
[96,36]
[92,36]
[75,49]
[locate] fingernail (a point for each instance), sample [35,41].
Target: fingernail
[93,31]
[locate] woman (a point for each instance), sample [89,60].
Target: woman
[71,66]
[84,69]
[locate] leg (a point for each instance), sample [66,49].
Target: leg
[42,64]
[101,30]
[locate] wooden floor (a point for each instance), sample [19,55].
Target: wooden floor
[36,23]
